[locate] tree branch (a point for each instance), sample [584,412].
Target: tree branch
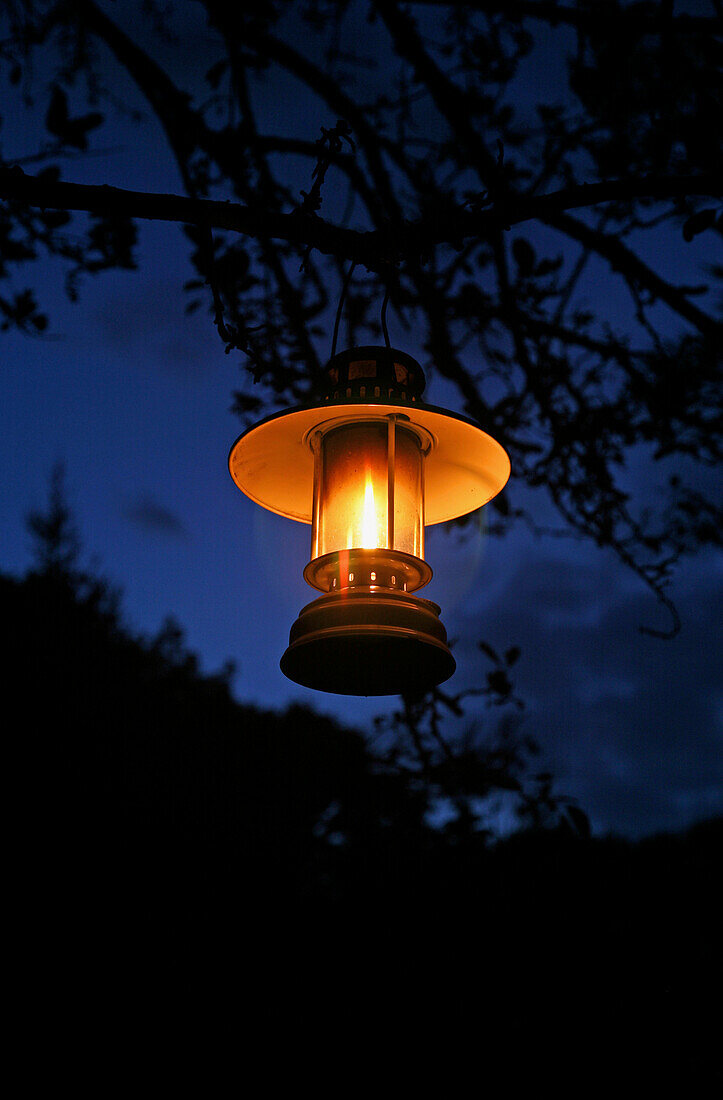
[622,259]
[343,105]
[183,127]
[368,248]
[451,102]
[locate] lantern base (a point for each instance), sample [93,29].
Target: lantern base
[369,641]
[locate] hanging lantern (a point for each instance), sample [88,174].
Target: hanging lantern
[369,466]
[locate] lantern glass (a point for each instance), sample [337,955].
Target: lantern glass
[370,492]
[368,496]
[352,509]
[408,494]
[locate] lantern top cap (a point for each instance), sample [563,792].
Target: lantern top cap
[371,372]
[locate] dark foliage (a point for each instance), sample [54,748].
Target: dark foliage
[488,165]
[176,856]
[177,777]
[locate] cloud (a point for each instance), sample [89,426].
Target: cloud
[144,317]
[153,518]
[630,724]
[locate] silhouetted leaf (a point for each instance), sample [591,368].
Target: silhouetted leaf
[217,70]
[698,223]
[524,255]
[498,683]
[71,131]
[579,820]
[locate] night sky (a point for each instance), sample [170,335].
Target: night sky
[133,396]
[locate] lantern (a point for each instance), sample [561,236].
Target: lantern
[369,466]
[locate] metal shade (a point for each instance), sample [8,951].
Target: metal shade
[272,462]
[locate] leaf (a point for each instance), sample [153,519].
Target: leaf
[524,255]
[71,131]
[548,267]
[489,651]
[698,223]
[512,655]
[498,683]
[214,74]
[245,403]
[54,219]
[57,114]
[579,820]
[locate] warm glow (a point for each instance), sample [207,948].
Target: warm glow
[370,526]
[368,473]
[364,499]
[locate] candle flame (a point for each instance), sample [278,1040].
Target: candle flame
[369,517]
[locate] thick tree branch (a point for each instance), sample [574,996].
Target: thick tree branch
[253,222]
[368,248]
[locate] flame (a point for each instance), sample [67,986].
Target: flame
[370,526]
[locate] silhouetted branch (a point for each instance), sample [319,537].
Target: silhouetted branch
[368,248]
[624,260]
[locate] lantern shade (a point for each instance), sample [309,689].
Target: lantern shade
[273,462]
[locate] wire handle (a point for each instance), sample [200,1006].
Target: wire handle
[339,308]
[342,299]
[385,330]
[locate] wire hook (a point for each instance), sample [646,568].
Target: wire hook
[342,298]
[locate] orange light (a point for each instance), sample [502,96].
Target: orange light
[368,506]
[371,537]
[367,466]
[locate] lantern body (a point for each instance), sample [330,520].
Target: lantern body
[367,466]
[370,489]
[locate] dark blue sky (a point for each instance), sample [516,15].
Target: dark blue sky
[133,397]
